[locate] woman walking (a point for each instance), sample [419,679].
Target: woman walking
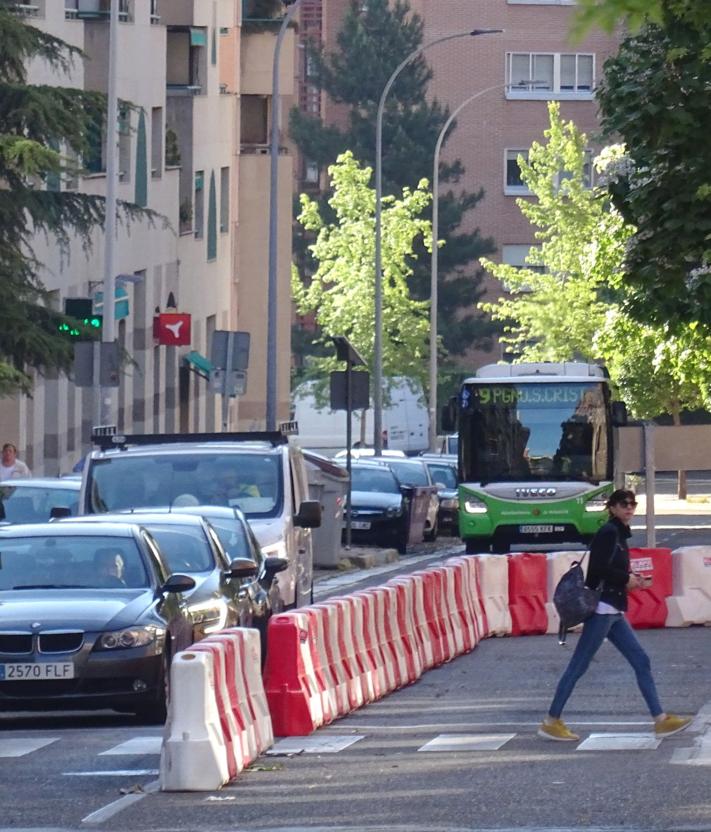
[609,568]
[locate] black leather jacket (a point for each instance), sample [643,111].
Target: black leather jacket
[609,563]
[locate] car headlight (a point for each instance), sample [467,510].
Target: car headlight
[450,502]
[473,505]
[131,637]
[598,503]
[210,615]
[393,511]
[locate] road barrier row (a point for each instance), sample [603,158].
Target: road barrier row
[327,660]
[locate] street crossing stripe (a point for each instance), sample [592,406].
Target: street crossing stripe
[137,745]
[467,742]
[20,746]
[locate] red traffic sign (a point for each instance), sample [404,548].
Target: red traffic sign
[172,329]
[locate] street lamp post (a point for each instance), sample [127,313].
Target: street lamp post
[272,285]
[378,289]
[434,285]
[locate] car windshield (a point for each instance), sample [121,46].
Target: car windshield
[233,537]
[33,504]
[374,479]
[249,481]
[184,548]
[68,561]
[445,474]
[409,473]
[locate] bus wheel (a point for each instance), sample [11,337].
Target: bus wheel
[477,545]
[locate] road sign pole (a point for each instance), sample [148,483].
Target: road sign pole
[229,369]
[349,437]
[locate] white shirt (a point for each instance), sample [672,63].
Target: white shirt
[14,471]
[603,608]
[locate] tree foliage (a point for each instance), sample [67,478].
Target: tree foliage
[340,293]
[633,14]
[655,95]
[576,308]
[374,38]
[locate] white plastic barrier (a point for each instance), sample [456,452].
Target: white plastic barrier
[218,720]
[691,576]
[558,564]
[493,573]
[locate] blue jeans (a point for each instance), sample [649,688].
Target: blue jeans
[618,632]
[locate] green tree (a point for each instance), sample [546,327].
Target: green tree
[340,292]
[655,96]
[576,308]
[374,38]
[609,14]
[42,128]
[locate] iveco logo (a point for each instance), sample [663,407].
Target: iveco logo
[530,493]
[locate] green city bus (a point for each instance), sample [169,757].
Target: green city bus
[535,453]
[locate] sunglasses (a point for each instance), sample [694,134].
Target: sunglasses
[628,503]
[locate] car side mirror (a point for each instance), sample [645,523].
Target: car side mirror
[242,568]
[178,583]
[309,515]
[619,414]
[273,565]
[57,512]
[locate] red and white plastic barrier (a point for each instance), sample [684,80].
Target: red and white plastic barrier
[218,721]
[690,602]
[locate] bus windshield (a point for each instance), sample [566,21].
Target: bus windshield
[527,432]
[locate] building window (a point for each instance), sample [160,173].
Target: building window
[124,143]
[515,255]
[141,197]
[254,118]
[155,12]
[311,172]
[549,75]
[224,200]
[157,142]
[212,220]
[513,184]
[199,203]
[588,178]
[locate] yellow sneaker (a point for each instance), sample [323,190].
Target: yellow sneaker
[557,730]
[671,725]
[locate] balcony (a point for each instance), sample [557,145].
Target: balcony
[186,60]
[97,10]
[34,9]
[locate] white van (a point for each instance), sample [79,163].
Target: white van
[260,473]
[405,420]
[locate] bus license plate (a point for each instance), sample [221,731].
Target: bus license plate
[21,671]
[535,529]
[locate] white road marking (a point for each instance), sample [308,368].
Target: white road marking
[122,772]
[137,745]
[700,753]
[467,742]
[20,746]
[111,809]
[324,744]
[619,742]
[473,726]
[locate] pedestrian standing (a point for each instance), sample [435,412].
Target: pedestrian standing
[609,569]
[12,467]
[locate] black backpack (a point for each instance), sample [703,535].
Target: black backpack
[574,602]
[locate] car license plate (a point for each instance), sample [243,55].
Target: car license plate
[362,525]
[535,529]
[21,671]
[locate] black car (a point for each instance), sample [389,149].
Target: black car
[227,592]
[445,477]
[415,474]
[90,617]
[379,509]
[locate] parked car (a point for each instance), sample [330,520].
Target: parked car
[32,500]
[445,477]
[259,473]
[379,509]
[227,590]
[90,617]
[414,472]
[367,453]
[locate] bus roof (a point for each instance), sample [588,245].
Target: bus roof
[544,371]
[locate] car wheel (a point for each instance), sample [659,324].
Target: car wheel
[157,711]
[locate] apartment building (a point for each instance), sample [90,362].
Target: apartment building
[204,250]
[528,64]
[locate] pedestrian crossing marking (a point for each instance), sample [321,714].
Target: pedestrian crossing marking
[137,745]
[325,744]
[467,742]
[20,746]
[619,742]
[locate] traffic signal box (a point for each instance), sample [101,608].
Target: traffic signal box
[85,326]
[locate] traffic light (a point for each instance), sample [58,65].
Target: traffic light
[86,325]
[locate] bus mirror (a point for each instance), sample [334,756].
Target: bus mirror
[619,414]
[448,417]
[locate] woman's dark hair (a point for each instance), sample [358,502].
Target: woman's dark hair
[620,496]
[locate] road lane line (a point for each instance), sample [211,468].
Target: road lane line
[125,772]
[111,809]
[137,745]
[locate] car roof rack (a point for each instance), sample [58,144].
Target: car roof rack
[107,440]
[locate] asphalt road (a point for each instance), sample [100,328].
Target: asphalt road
[81,771]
